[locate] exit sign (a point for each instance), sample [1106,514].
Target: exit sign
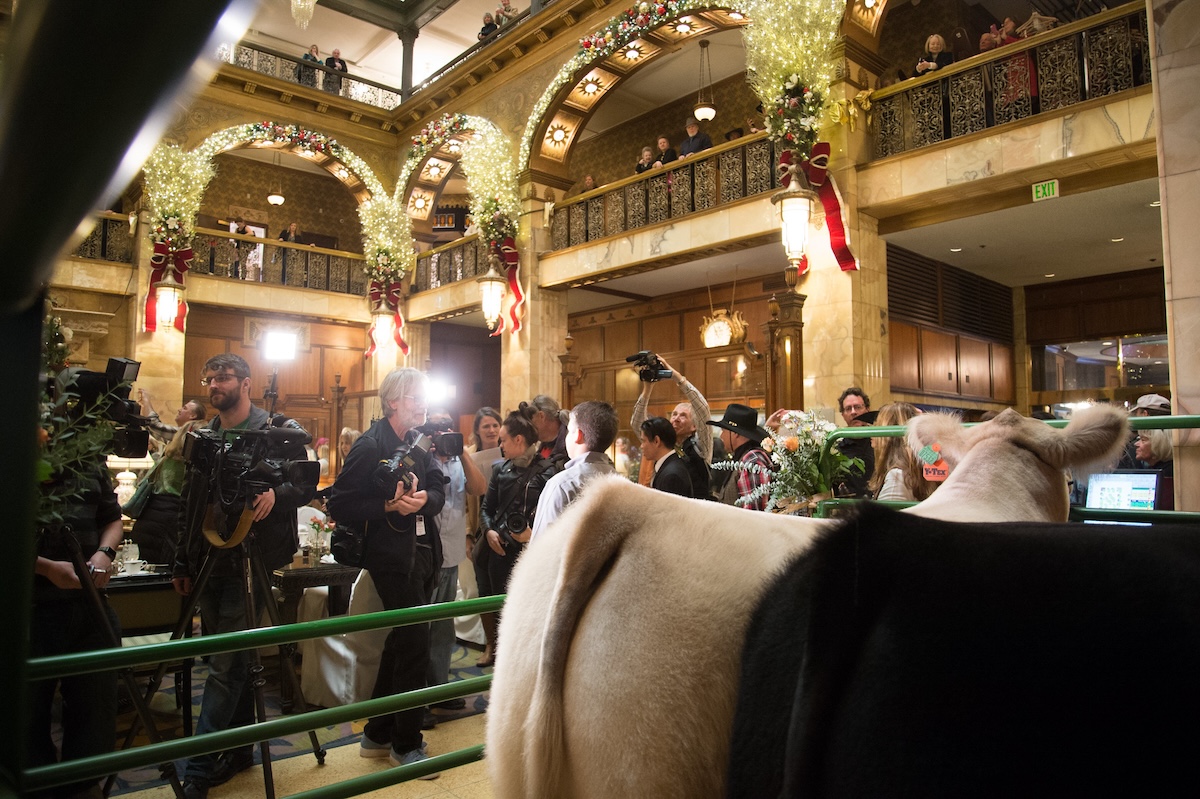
[1046,190]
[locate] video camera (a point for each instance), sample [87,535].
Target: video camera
[236,462]
[107,394]
[445,441]
[651,368]
[396,470]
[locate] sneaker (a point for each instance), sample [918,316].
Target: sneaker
[450,704]
[415,756]
[368,748]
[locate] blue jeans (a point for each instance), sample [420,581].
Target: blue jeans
[441,633]
[228,696]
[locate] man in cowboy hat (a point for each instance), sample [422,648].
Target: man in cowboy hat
[743,437]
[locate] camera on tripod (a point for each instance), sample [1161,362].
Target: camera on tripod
[651,369]
[107,394]
[398,469]
[512,523]
[237,465]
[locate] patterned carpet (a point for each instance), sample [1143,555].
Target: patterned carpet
[169,720]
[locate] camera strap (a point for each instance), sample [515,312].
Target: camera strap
[239,533]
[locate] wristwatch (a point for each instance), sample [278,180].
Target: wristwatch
[112,553]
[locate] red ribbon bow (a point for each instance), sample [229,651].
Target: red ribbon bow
[816,169]
[386,298]
[507,250]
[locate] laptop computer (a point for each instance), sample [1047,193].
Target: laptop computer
[1124,489]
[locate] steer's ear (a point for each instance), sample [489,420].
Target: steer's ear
[1094,438]
[941,429]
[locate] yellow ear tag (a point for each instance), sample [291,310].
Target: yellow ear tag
[933,467]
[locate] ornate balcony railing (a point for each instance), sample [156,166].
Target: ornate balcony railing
[110,240]
[725,174]
[309,73]
[463,259]
[224,254]
[1093,57]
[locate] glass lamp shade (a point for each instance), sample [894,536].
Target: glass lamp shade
[705,112]
[275,198]
[168,293]
[491,293]
[795,210]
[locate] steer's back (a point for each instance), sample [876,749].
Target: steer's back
[625,621]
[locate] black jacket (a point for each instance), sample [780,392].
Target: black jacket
[275,536]
[673,477]
[94,508]
[515,487]
[355,500]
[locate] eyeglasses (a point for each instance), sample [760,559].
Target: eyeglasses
[224,377]
[420,400]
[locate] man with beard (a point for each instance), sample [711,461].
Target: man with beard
[228,696]
[696,451]
[853,404]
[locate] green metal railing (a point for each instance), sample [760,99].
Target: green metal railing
[43,777]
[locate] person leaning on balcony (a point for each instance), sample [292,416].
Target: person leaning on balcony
[695,141]
[489,27]
[307,75]
[666,153]
[333,83]
[292,234]
[505,13]
[646,161]
[936,55]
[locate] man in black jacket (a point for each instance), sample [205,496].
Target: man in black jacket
[402,552]
[228,696]
[658,446]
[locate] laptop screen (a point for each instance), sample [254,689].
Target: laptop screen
[1123,490]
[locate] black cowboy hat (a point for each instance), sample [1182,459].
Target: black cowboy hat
[743,420]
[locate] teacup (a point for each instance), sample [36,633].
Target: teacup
[134,566]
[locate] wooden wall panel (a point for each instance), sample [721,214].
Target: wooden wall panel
[905,356]
[589,344]
[939,361]
[1002,373]
[974,368]
[661,333]
[621,339]
[1121,304]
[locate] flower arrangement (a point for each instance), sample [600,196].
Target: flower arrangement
[494,225]
[382,268]
[795,115]
[798,471]
[321,526]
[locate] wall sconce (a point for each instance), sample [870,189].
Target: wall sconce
[168,297]
[492,287]
[795,212]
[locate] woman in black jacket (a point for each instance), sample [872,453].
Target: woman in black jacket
[507,514]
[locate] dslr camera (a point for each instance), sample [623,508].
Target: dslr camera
[651,369]
[513,522]
[445,441]
[397,470]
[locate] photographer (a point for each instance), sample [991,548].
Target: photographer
[394,506]
[228,700]
[694,449]
[507,512]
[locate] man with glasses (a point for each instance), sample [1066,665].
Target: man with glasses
[402,550]
[228,695]
[852,404]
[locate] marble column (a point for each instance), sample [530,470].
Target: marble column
[1175,39]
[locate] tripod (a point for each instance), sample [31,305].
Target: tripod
[252,573]
[140,703]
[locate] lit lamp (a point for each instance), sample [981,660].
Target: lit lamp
[276,196]
[795,211]
[491,291]
[705,110]
[168,293]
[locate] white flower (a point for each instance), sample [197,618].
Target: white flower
[791,82]
[173,222]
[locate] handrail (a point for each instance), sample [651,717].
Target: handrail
[279,263]
[469,53]
[450,245]
[386,97]
[107,659]
[291,245]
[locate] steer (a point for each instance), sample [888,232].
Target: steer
[624,625]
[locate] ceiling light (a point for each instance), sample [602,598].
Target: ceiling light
[1049,275]
[740,15]
[704,109]
[454,145]
[1107,343]
[591,86]
[1117,241]
[276,197]
[419,203]
[632,53]
[868,4]
[557,134]
[343,172]
[956,249]
[683,28]
[1156,204]
[434,170]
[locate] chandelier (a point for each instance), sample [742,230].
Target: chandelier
[302,12]
[705,109]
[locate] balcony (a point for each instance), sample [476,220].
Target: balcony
[249,258]
[311,74]
[1093,58]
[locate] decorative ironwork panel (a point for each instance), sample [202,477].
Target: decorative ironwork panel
[733,184]
[318,271]
[1059,83]
[635,205]
[560,229]
[471,259]
[244,57]
[92,246]
[457,254]
[272,271]
[777,150]
[435,271]
[889,127]
[267,64]
[421,275]
[967,106]
[1109,54]
[339,273]
[445,268]
[660,199]
[118,244]
[295,267]
[1141,50]
[358,279]
[758,168]
[595,218]
[614,210]
[578,223]
[706,184]
[928,114]
[1012,88]
[680,182]
[223,257]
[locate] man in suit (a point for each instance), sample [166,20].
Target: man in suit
[658,446]
[333,83]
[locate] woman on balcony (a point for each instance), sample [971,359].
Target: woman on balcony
[489,27]
[306,75]
[645,162]
[936,55]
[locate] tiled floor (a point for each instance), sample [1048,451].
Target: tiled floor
[301,773]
